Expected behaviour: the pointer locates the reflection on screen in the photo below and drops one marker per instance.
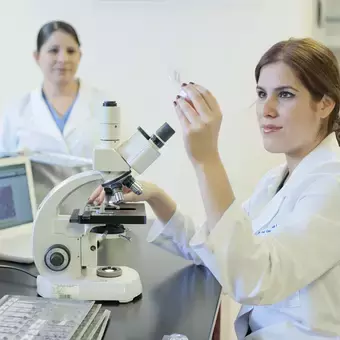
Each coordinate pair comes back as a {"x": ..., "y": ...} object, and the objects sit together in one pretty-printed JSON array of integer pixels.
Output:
[{"x": 15, "y": 204}]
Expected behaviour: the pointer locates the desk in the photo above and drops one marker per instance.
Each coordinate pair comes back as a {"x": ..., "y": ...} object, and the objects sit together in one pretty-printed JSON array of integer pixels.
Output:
[{"x": 178, "y": 297}]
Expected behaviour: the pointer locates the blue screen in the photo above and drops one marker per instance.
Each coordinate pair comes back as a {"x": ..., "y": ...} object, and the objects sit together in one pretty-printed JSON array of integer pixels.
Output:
[{"x": 15, "y": 203}]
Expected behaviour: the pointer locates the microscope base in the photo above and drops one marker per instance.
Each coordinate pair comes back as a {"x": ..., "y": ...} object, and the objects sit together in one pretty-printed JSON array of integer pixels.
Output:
[{"x": 123, "y": 288}]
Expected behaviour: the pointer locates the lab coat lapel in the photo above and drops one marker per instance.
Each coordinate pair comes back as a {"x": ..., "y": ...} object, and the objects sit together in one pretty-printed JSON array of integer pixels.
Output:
[
  {"x": 324, "y": 151},
  {"x": 275, "y": 180},
  {"x": 81, "y": 111},
  {"x": 42, "y": 118},
  {"x": 270, "y": 205}
]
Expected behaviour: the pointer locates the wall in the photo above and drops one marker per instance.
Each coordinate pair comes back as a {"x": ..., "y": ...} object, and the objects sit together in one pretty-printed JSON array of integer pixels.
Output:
[{"x": 130, "y": 49}]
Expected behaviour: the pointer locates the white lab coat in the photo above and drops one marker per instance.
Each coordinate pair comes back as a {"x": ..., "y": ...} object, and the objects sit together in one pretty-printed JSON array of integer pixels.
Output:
[
  {"x": 279, "y": 255},
  {"x": 27, "y": 124}
]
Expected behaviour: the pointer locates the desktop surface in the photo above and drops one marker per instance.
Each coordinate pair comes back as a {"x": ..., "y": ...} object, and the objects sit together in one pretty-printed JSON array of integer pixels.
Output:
[{"x": 178, "y": 297}]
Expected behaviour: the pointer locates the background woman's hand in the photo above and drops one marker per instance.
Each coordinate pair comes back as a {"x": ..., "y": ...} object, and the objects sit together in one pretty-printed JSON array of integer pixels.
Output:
[{"x": 201, "y": 121}]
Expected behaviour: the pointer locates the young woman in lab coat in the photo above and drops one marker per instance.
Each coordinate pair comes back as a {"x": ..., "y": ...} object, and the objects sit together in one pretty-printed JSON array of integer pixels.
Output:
[
  {"x": 60, "y": 116},
  {"x": 279, "y": 253}
]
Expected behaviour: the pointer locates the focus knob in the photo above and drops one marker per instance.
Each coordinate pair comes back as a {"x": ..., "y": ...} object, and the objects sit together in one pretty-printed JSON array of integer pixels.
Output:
[{"x": 57, "y": 257}]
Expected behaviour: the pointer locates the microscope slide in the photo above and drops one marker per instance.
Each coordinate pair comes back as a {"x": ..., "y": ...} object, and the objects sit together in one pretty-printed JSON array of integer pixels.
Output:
[
  {"x": 78, "y": 335},
  {"x": 101, "y": 330},
  {"x": 95, "y": 324}
]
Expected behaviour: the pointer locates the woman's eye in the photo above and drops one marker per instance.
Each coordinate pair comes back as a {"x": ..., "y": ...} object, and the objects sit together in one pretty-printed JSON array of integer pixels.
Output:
[
  {"x": 286, "y": 94},
  {"x": 261, "y": 94},
  {"x": 53, "y": 50}
]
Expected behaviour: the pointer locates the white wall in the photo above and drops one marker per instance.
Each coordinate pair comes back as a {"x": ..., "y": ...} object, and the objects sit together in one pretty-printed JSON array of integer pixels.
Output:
[{"x": 130, "y": 50}]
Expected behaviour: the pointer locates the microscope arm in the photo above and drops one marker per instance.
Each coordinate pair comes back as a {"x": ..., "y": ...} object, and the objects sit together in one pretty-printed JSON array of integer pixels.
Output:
[{"x": 51, "y": 228}]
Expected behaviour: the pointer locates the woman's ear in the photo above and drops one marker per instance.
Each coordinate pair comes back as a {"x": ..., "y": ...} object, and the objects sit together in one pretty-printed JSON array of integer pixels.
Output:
[
  {"x": 327, "y": 105},
  {"x": 36, "y": 56}
]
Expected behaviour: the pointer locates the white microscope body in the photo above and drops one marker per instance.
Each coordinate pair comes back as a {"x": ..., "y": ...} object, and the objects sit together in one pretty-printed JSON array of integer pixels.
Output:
[{"x": 65, "y": 246}]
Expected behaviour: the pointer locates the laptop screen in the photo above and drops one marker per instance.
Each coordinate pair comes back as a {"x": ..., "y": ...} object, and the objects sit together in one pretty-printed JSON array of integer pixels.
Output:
[{"x": 15, "y": 203}]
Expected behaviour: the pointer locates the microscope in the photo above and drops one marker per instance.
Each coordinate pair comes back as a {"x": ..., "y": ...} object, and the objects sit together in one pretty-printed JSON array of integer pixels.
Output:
[{"x": 65, "y": 246}]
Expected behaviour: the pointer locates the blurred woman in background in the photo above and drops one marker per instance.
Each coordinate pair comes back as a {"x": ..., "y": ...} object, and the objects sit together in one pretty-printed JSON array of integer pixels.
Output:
[{"x": 58, "y": 117}]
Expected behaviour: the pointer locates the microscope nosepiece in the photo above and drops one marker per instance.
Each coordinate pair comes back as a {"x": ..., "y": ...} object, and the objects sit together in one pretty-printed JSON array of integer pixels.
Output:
[
  {"x": 117, "y": 196},
  {"x": 131, "y": 183},
  {"x": 136, "y": 188}
]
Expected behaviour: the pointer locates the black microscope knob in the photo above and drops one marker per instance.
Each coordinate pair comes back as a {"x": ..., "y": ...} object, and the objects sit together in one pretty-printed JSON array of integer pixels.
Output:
[{"x": 57, "y": 259}]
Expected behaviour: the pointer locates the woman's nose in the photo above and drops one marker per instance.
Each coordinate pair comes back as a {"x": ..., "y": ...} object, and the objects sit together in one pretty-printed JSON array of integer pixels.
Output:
[
  {"x": 63, "y": 56},
  {"x": 270, "y": 107}
]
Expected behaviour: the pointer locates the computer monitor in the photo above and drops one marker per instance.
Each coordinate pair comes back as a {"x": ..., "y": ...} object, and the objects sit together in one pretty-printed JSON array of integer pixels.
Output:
[{"x": 17, "y": 197}]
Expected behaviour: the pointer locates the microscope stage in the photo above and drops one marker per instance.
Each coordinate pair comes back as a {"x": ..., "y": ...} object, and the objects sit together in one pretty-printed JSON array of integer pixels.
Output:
[{"x": 127, "y": 213}]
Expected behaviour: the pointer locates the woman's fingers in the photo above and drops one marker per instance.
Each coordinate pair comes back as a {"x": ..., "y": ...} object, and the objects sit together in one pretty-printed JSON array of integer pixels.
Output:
[
  {"x": 95, "y": 194},
  {"x": 191, "y": 115},
  {"x": 208, "y": 97},
  {"x": 100, "y": 198},
  {"x": 131, "y": 197},
  {"x": 181, "y": 117},
  {"x": 203, "y": 102},
  {"x": 126, "y": 190},
  {"x": 199, "y": 103}
]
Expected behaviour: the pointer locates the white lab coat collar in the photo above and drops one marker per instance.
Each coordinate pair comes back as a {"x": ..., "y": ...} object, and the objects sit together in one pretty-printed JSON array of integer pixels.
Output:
[
  {"x": 264, "y": 211},
  {"x": 323, "y": 152},
  {"x": 42, "y": 117},
  {"x": 327, "y": 150},
  {"x": 80, "y": 112}
]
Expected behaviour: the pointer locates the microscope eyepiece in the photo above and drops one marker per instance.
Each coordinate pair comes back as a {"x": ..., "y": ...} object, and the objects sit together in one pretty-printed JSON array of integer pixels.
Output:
[
  {"x": 165, "y": 132},
  {"x": 162, "y": 135},
  {"x": 110, "y": 103}
]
